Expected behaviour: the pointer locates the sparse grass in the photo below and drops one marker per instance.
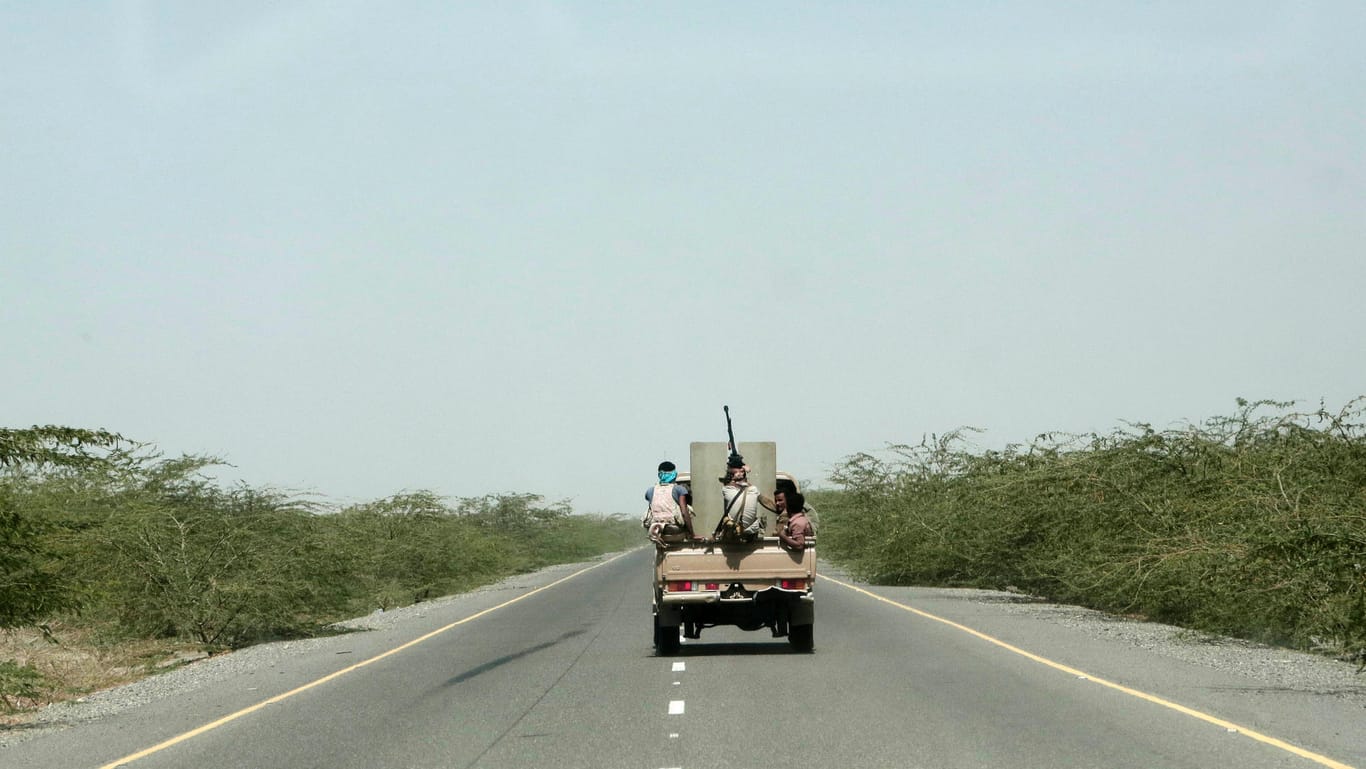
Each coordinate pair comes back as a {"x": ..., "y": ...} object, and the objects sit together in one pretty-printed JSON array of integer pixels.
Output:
[{"x": 76, "y": 661}]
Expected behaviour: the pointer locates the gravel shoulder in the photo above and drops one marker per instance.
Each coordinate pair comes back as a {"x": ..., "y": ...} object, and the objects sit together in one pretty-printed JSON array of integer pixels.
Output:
[{"x": 1272, "y": 668}]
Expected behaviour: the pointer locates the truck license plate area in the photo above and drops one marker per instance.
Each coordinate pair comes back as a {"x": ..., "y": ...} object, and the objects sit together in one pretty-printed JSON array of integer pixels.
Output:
[{"x": 735, "y": 591}]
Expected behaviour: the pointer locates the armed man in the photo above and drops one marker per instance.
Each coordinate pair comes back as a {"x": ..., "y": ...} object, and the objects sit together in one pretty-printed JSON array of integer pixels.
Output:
[{"x": 740, "y": 518}]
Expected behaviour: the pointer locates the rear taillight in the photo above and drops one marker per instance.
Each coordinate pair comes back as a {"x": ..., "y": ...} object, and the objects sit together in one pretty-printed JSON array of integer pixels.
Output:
[
  {"x": 794, "y": 584},
  {"x": 688, "y": 586}
]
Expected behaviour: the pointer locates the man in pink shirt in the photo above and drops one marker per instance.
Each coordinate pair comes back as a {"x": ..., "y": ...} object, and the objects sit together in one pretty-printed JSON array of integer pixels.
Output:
[{"x": 798, "y": 528}]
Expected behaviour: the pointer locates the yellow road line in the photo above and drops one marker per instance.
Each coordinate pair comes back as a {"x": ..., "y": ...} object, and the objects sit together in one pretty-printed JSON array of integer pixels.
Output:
[
  {"x": 1228, "y": 725},
  {"x": 176, "y": 740}
]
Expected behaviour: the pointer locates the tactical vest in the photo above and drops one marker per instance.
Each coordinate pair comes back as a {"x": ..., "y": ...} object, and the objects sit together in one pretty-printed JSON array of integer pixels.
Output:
[
  {"x": 663, "y": 507},
  {"x": 742, "y": 507}
]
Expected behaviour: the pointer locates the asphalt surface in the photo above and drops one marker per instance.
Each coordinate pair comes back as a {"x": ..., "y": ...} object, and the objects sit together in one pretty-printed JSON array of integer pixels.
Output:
[{"x": 565, "y": 676}]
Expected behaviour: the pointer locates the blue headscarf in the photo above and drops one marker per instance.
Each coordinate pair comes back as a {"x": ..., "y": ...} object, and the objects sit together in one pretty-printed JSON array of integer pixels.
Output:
[{"x": 668, "y": 476}]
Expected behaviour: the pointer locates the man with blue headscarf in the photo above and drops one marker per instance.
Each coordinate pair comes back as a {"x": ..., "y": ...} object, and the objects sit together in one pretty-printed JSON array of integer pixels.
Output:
[{"x": 668, "y": 512}]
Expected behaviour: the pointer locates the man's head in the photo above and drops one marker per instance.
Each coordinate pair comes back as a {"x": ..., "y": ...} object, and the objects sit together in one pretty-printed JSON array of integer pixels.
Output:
[
  {"x": 796, "y": 503},
  {"x": 668, "y": 473},
  {"x": 780, "y": 501},
  {"x": 735, "y": 475}
]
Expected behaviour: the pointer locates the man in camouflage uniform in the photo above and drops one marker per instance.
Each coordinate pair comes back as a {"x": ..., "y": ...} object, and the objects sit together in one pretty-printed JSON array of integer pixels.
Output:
[{"x": 668, "y": 512}]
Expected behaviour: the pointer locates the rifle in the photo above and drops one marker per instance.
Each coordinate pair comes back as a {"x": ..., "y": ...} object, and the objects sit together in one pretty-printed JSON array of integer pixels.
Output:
[{"x": 726, "y": 522}]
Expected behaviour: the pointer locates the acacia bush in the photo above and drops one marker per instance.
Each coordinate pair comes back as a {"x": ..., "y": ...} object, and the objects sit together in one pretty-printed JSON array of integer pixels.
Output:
[
  {"x": 1251, "y": 525},
  {"x": 140, "y": 546},
  {"x": 32, "y": 588}
]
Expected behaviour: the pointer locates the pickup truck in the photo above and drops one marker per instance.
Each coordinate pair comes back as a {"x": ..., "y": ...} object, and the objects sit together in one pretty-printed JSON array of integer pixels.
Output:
[{"x": 751, "y": 585}]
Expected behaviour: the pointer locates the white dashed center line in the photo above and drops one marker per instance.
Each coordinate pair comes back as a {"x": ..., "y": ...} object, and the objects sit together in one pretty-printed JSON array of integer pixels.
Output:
[{"x": 676, "y": 706}]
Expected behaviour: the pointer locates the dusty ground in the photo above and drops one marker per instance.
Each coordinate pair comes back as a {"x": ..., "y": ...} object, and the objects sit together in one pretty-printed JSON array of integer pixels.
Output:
[{"x": 75, "y": 661}]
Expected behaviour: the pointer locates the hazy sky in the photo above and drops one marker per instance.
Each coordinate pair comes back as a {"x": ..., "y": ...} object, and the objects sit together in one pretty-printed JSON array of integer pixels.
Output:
[{"x": 361, "y": 247}]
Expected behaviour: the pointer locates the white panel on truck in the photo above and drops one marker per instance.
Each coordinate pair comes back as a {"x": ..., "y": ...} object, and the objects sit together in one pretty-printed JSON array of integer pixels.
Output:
[{"x": 707, "y": 464}]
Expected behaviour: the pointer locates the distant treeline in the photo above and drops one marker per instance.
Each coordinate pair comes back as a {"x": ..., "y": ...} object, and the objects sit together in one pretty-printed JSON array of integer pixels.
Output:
[
  {"x": 97, "y": 531},
  {"x": 1252, "y": 525}
]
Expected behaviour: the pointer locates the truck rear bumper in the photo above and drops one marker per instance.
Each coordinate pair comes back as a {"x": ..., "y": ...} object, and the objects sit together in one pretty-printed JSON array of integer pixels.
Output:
[
  {"x": 769, "y": 594},
  {"x": 681, "y": 599},
  {"x": 770, "y": 609}
]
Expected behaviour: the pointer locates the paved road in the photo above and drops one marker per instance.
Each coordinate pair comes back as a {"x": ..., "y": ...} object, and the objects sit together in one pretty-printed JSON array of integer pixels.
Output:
[{"x": 564, "y": 677}]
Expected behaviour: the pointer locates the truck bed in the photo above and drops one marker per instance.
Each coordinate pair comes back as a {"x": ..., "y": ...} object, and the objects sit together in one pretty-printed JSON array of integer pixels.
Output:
[{"x": 756, "y": 566}]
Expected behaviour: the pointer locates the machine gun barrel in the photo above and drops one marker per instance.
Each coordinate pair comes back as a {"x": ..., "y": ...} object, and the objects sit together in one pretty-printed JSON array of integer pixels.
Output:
[{"x": 734, "y": 460}]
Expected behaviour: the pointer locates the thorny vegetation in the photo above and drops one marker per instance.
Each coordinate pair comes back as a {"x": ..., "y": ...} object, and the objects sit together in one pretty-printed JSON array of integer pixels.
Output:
[
  {"x": 109, "y": 541},
  {"x": 1251, "y": 525}
]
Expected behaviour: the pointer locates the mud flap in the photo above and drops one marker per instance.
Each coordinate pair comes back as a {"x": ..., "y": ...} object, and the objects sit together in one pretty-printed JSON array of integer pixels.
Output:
[{"x": 668, "y": 615}]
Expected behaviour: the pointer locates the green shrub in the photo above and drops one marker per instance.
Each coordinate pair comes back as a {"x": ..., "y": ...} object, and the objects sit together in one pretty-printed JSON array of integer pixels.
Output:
[
  {"x": 20, "y": 685},
  {"x": 1252, "y": 525},
  {"x": 147, "y": 547}
]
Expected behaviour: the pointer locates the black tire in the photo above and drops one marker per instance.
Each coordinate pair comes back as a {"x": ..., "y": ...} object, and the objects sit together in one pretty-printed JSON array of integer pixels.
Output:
[
  {"x": 666, "y": 640},
  {"x": 802, "y": 637}
]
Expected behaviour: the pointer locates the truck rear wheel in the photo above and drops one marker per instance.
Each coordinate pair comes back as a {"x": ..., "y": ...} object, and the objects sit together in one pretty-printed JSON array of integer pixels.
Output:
[
  {"x": 666, "y": 640},
  {"x": 802, "y": 637}
]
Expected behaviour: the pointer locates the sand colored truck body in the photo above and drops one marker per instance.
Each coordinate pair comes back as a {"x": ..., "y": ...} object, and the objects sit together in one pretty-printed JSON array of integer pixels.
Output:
[{"x": 750, "y": 585}]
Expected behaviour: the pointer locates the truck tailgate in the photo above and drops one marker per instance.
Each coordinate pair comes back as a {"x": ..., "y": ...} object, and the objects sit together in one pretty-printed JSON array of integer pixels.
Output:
[{"x": 767, "y": 563}]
